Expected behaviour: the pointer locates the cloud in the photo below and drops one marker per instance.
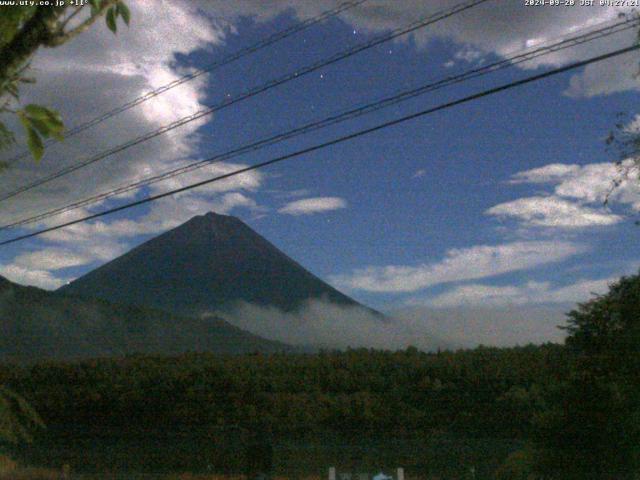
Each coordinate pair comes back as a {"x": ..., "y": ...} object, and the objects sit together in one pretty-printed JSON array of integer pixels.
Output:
[
  {"x": 468, "y": 54},
  {"x": 490, "y": 325},
  {"x": 553, "y": 172},
  {"x": 50, "y": 259},
  {"x": 93, "y": 74},
  {"x": 25, "y": 276},
  {"x": 459, "y": 264},
  {"x": 135, "y": 61},
  {"x": 527, "y": 294},
  {"x": 594, "y": 183},
  {"x": 83, "y": 78},
  {"x": 87, "y": 243},
  {"x": 605, "y": 78},
  {"x": 324, "y": 324},
  {"x": 577, "y": 196},
  {"x": 144, "y": 56},
  {"x": 591, "y": 183},
  {"x": 553, "y": 212},
  {"x": 103, "y": 240},
  {"x": 481, "y": 31},
  {"x": 502, "y": 315},
  {"x": 308, "y": 206}
]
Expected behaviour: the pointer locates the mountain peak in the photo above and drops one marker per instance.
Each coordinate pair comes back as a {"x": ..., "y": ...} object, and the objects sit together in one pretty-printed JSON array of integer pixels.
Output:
[
  {"x": 210, "y": 263},
  {"x": 211, "y": 218}
]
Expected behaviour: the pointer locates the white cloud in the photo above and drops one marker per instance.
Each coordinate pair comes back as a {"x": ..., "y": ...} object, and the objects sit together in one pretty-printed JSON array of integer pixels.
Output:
[
  {"x": 460, "y": 264},
  {"x": 50, "y": 259},
  {"x": 591, "y": 183},
  {"x": 99, "y": 241},
  {"x": 142, "y": 57},
  {"x": 528, "y": 294},
  {"x": 36, "y": 278},
  {"x": 91, "y": 75},
  {"x": 322, "y": 323},
  {"x": 605, "y": 78},
  {"x": 501, "y": 314},
  {"x": 589, "y": 186},
  {"x": 576, "y": 195},
  {"x": 594, "y": 183},
  {"x": 506, "y": 325},
  {"x": 164, "y": 215},
  {"x": 469, "y": 55},
  {"x": 95, "y": 73},
  {"x": 482, "y": 30},
  {"x": 549, "y": 173},
  {"x": 553, "y": 211},
  {"x": 308, "y": 206}
]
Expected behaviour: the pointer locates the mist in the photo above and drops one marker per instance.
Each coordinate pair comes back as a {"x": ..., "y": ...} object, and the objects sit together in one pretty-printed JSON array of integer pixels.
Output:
[
  {"x": 323, "y": 324},
  {"x": 496, "y": 326},
  {"x": 320, "y": 323}
]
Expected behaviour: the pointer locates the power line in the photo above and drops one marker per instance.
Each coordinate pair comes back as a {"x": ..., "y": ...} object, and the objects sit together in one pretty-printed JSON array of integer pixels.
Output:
[
  {"x": 514, "y": 59},
  {"x": 425, "y": 21},
  {"x": 335, "y": 141},
  {"x": 243, "y": 52}
]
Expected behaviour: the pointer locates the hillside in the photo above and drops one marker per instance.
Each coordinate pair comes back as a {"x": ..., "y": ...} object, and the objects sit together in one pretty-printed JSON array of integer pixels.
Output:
[{"x": 36, "y": 324}]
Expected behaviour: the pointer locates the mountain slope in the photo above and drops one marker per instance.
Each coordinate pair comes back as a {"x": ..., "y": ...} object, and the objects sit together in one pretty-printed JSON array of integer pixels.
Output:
[
  {"x": 206, "y": 264},
  {"x": 36, "y": 324}
]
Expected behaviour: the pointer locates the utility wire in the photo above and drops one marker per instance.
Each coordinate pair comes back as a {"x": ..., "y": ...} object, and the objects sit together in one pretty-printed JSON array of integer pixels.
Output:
[
  {"x": 425, "y": 21},
  {"x": 510, "y": 61},
  {"x": 335, "y": 141},
  {"x": 243, "y": 52}
]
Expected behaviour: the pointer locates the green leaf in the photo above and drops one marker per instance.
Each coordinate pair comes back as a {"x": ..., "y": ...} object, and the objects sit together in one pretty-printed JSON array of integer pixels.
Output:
[
  {"x": 34, "y": 142},
  {"x": 46, "y": 121},
  {"x": 111, "y": 19},
  {"x": 37, "y": 111},
  {"x": 124, "y": 12},
  {"x": 57, "y": 134},
  {"x": 95, "y": 6},
  {"x": 41, "y": 127},
  {"x": 54, "y": 122}
]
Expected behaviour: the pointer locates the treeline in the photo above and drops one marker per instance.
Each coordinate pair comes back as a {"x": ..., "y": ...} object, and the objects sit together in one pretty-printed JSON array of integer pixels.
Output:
[
  {"x": 551, "y": 411},
  {"x": 485, "y": 392}
]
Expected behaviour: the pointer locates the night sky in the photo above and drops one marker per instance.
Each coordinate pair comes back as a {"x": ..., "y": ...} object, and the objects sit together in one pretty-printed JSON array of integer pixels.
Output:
[{"x": 489, "y": 206}]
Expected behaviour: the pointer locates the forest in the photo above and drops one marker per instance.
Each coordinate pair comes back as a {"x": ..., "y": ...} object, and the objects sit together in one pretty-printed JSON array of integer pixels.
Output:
[
  {"x": 332, "y": 397},
  {"x": 556, "y": 411}
]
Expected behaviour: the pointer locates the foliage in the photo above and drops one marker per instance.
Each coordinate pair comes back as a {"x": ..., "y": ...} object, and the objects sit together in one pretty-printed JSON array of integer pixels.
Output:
[
  {"x": 592, "y": 427},
  {"x": 455, "y": 409},
  {"x": 467, "y": 391},
  {"x": 17, "y": 417},
  {"x": 24, "y": 29},
  {"x": 519, "y": 465},
  {"x": 40, "y": 122}
]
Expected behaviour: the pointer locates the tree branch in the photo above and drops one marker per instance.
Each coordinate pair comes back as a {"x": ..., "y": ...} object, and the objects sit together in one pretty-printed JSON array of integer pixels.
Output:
[
  {"x": 61, "y": 36},
  {"x": 35, "y": 32}
]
